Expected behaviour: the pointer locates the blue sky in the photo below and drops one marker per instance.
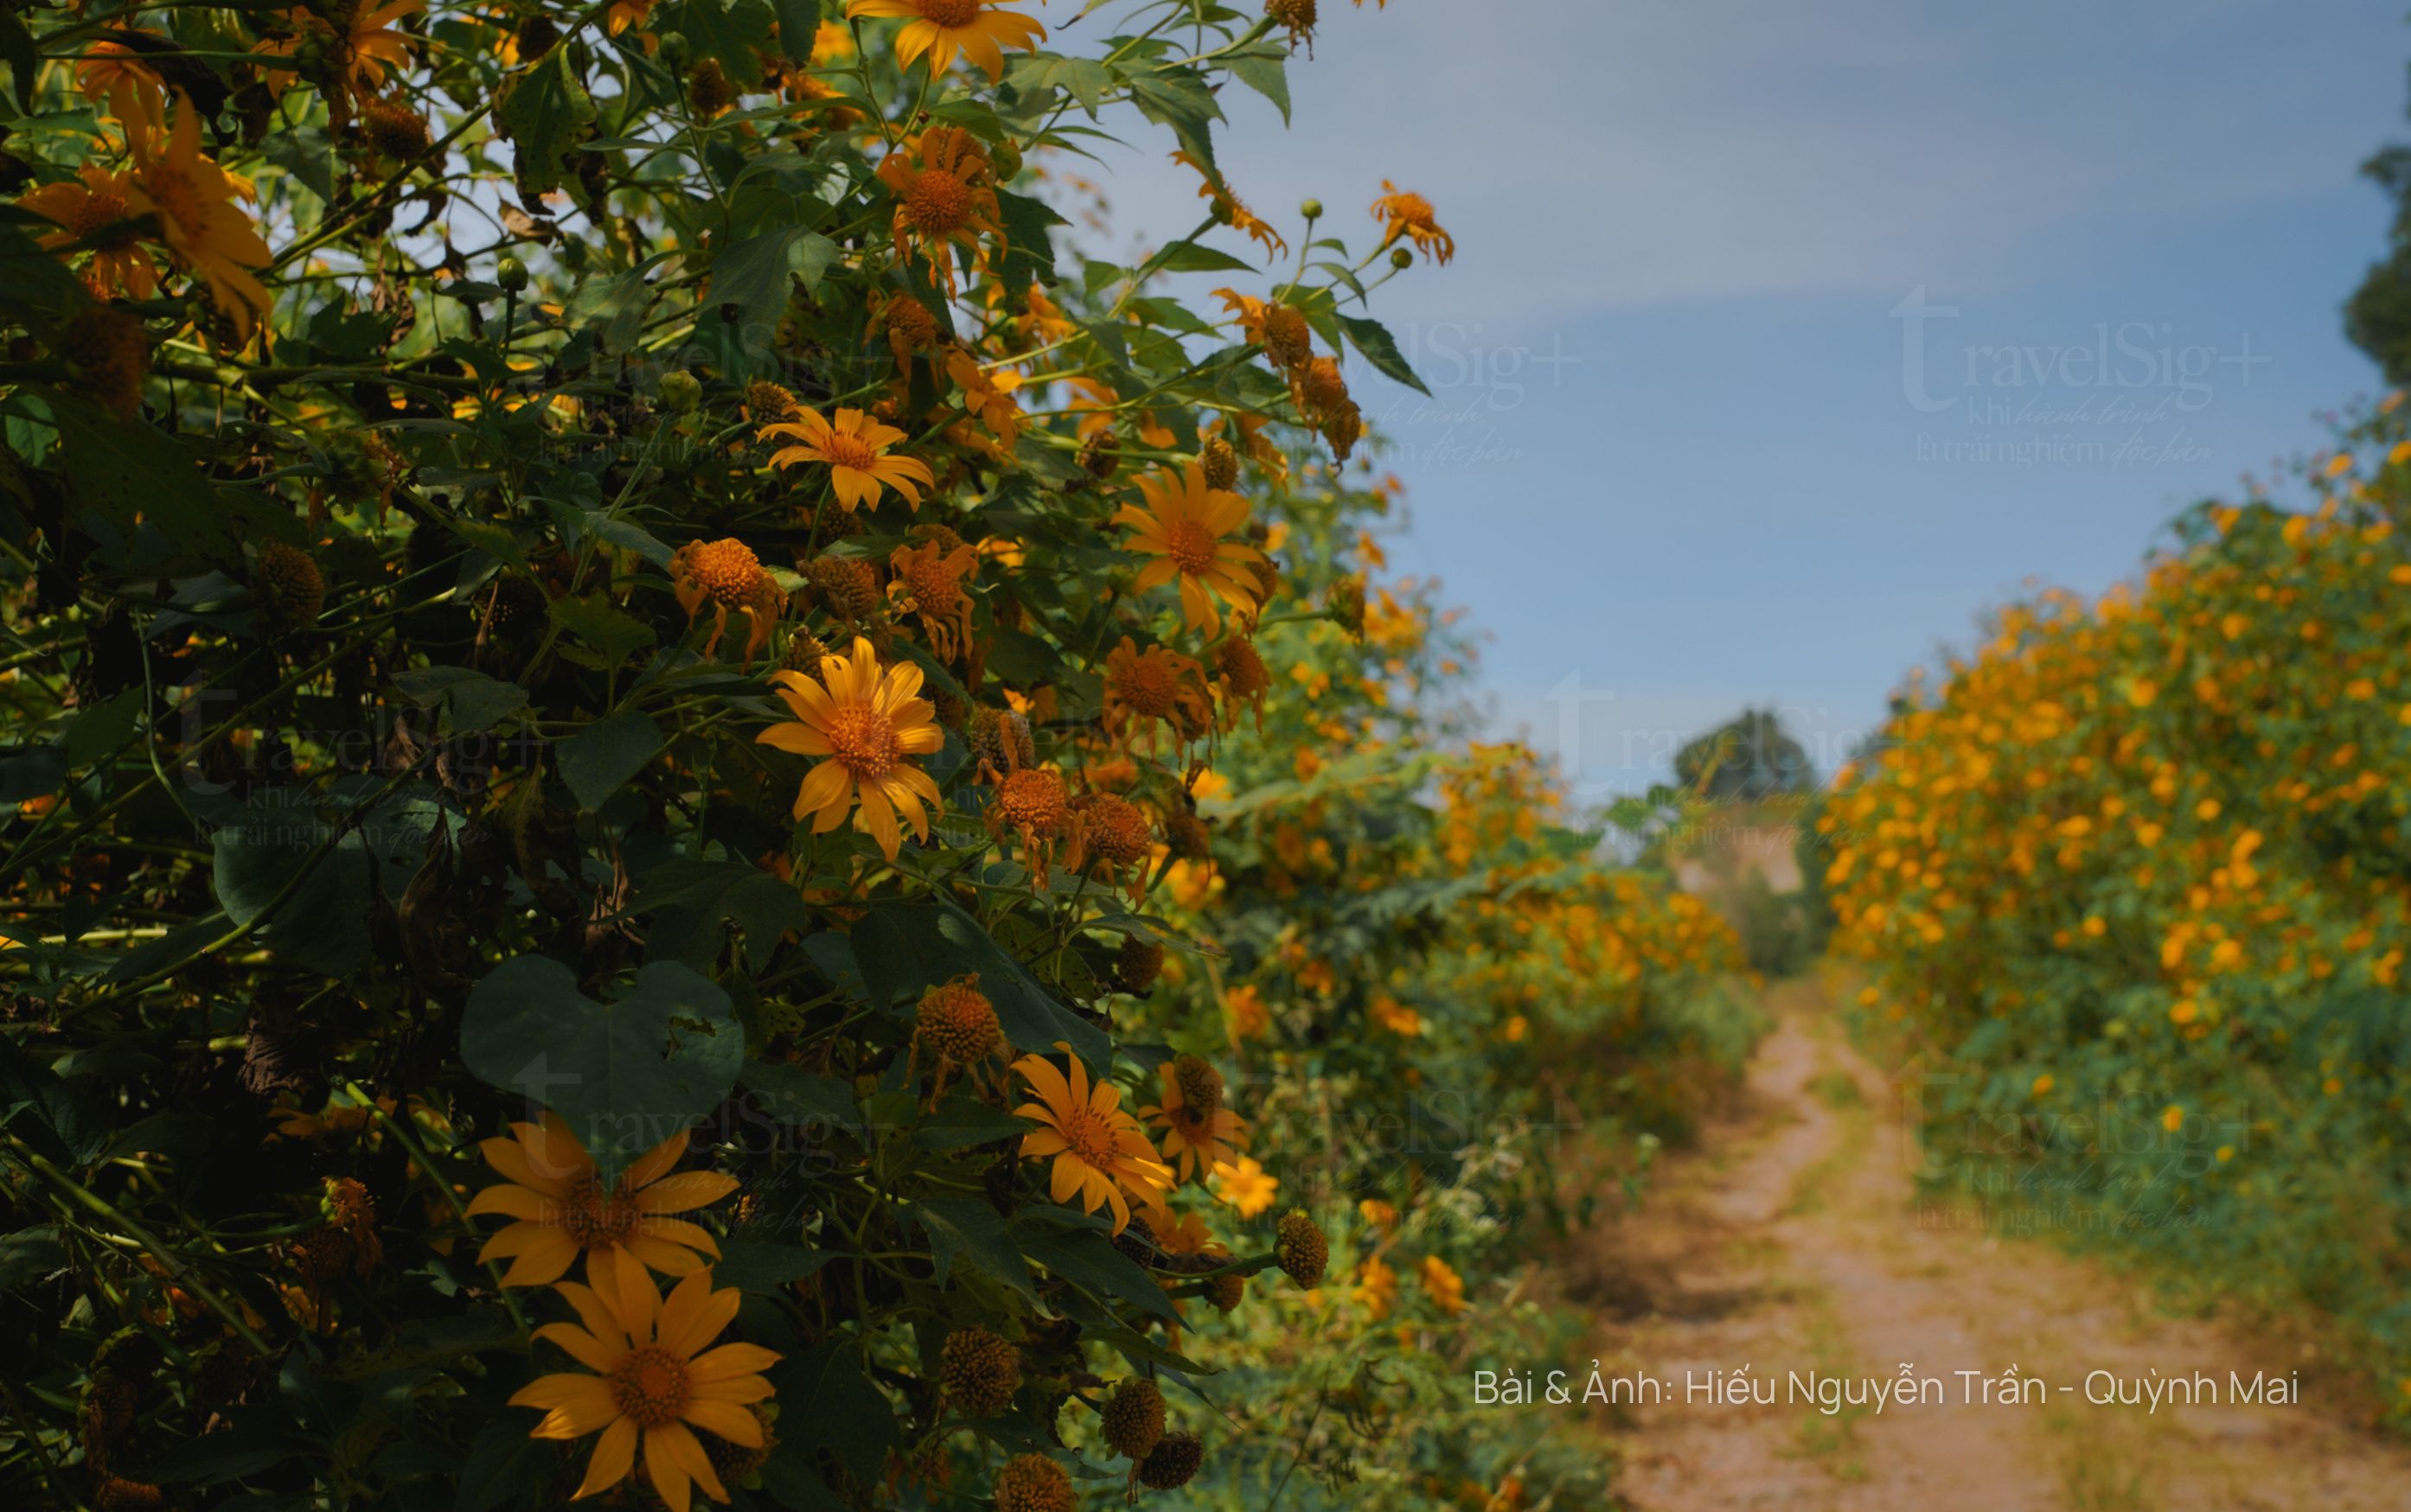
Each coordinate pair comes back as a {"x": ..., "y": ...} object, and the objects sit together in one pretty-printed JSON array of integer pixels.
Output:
[{"x": 1828, "y": 288}]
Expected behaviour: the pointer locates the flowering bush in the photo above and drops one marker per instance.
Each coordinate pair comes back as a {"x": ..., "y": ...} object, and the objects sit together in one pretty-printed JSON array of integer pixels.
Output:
[
  {"x": 2136, "y": 873},
  {"x": 637, "y": 839}
]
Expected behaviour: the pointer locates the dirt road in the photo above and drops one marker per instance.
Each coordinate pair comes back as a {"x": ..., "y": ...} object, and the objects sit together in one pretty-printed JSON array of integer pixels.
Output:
[{"x": 1791, "y": 1241}]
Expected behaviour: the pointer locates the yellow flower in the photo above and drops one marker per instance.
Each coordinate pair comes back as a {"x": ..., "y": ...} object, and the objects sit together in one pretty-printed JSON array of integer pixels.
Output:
[
  {"x": 99, "y": 203},
  {"x": 113, "y": 71},
  {"x": 987, "y": 395},
  {"x": 655, "y": 1382},
  {"x": 1101, "y": 1155},
  {"x": 1377, "y": 1287},
  {"x": 929, "y": 582},
  {"x": 864, "y": 725},
  {"x": 728, "y": 575},
  {"x": 362, "y": 47},
  {"x": 1244, "y": 1007},
  {"x": 945, "y": 195},
  {"x": 1446, "y": 1287},
  {"x": 2043, "y": 1085},
  {"x": 854, "y": 449},
  {"x": 552, "y": 1186},
  {"x": 1246, "y": 1185},
  {"x": 940, "y": 28},
  {"x": 1183, "y": 527},
  {"x": 1156, "y": 684},
  {"x": 1196, "y": 1138},
  {"x": 1411, "y": 215},
  {"x": 193, "y": 198},
  {"x": 2172, "y": 1118}
]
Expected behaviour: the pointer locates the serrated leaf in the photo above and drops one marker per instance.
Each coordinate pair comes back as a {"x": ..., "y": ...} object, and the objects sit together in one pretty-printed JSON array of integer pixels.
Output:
[
  {"x": 624, "y": 1074},
  {"x": 799, "y": 23},
  {"x": 1380, "y": 349},
  {"x": 609, "y": 632},
  {"x": 969, "y": 1229},
  {"x": 542, "y": 113},
  {"x": 598, "y": 760}
]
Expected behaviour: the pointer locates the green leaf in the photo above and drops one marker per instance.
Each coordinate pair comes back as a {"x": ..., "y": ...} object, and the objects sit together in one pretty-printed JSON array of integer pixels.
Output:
[
  {"x": 323, "y": 922},
  {"x": 24, "y": 59},
  {"x": 798, "y": 1097},
  {"x": 830, "y": 1405},
  {"x": 693, "y": 901},
  {"x": 1380, "y": 349},
  {"x": 28, "y": 1255},
  {"x": 766, "y": 1268},
  {"x": 1180, "y": 98},
  {"x": 1029, "y": 248},
  {"x": 129, "y": 472},
  {"x": 964, "y": 1121},
  {"x": 598, "y": 760},
  {"x": 606, "y": 634},
  {"x": 756, "y": 275},
  {"x": 626, "y": 1075},
  {"x": 1090, "y": 1261},
  {"x": 470, "y": 699},
  {"x": 971, "y": 1228},
  {"x": 800, "y": 21},
  {"x": 731, "y": 33},
  {"x": 1266, "y": 73},
  {"x": 905, "y": 949},
  {"x": 542, "y": 113}
]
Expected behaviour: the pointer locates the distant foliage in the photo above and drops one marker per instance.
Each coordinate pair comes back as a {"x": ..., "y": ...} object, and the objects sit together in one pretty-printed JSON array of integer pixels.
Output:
[{"x": 2138, "y": 873}]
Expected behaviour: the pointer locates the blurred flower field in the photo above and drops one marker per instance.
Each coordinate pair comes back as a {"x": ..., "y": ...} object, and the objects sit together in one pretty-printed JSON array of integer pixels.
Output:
[{"x": 2136, "y": 877}]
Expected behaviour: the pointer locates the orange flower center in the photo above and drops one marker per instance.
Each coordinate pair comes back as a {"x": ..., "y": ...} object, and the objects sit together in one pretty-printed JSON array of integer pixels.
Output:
[
  {"x": 863, "y": 741},
  {"x": 849, "y": 451},
  {"x": 1190, "y": 546},
  {"x": 1032, "y": 799},
  {"x": 727, "y": 571},
  {"x": 909, "y": 322},
  {"x": 651, "y": 1386},
  {"x": 100, "y": 210},
  {"x": 1412, "y": 211},
  {"x": 1147, "y": 685},
  {"x": 1090, "y": 1135},
  {"x": 595, "y": 1218},
  {"x": 950, "y": 13},
  {"x": 939, "y": 204}
]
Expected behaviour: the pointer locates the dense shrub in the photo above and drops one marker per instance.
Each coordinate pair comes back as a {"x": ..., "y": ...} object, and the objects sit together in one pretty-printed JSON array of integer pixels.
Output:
[
  {"x": 2138, "y": 874},
  {"x": 637, "y": 858}
]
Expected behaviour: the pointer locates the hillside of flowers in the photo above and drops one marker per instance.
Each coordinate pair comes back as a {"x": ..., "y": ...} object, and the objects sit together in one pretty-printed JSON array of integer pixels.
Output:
[
  {"x": 2136, "y": 876},
  {"x": 691, "y": 819}
]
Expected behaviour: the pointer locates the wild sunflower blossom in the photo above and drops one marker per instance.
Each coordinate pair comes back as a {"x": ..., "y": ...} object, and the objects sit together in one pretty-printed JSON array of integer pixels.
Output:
[
  {"x": 552, "y": 1186},
  {"x": 945, "y": 188},
  {"x": 656, "y": 1380},
  {"x": 97, "y": 203},
  {"x": 193, "y": 201},
  {"x": 1100, "y": 1157},
  {"x": 726, "y": 574},
  {"x": 1157, "y": 686},
  {"x": 1183, "y": 527},
  {"x": 363, "y": 41},
  {"x": 979, "y": 30},
  {"x": 853, "y": 447},
  {"x": 865, "y": 727},
  {"x": 1411, "y": 215},
  {"x": 1200, "y": 1134}
]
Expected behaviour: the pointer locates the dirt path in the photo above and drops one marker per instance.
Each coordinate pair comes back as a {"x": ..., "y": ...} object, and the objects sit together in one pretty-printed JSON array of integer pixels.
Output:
[{"x": 1791, "y": 1244}]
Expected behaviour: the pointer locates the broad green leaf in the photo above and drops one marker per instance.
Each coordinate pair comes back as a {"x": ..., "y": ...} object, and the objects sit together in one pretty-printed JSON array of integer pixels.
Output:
[
  {"x": 800, "y": 21},
  {"x": 1380, "y": 349},
  {"x": 598, "y": 760},
  {"x": 624, "y": 1074},
  {"x": 544, "y": 111},
  {"x": 604, "y": 635},
  {"x": 971, "y": 1228}
]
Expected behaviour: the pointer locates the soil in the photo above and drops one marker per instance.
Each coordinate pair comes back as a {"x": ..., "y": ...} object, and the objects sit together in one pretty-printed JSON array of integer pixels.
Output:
[{"x": 1793, "y": 1240}]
